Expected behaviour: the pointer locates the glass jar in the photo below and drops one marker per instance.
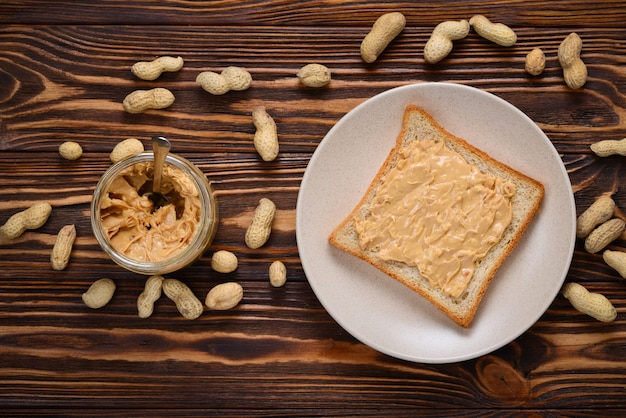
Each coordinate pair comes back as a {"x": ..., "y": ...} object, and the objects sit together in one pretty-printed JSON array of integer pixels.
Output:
[{"x": 122, "y": 241}]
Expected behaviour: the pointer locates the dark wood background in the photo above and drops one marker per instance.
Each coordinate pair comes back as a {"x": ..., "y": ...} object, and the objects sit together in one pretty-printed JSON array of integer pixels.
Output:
[{"x": 64, "y": 70}]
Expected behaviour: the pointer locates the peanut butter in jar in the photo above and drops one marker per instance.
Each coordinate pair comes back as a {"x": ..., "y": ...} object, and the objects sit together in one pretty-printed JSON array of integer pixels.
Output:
[{"x": 150, "y": 240}]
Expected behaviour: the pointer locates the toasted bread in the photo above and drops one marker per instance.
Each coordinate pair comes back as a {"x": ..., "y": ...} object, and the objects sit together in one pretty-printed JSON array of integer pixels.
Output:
[{"x": 417, "y": 125}]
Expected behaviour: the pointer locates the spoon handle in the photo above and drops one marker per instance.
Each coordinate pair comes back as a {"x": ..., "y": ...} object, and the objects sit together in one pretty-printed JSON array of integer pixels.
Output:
[{"x": 161, "y": 147}]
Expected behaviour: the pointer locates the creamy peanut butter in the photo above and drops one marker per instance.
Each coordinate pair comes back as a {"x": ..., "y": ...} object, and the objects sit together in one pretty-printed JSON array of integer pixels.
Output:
[
  {"x": 435, "y": 211},
  {"x": 130, "y": 223}
]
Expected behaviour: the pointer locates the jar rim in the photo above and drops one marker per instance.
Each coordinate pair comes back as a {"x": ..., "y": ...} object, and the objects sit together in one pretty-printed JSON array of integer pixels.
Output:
[{"x": 205, "y": 230}]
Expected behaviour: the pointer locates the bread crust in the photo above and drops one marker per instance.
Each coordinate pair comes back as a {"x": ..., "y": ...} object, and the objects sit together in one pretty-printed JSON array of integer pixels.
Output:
[{"x": 416, "y": 125}]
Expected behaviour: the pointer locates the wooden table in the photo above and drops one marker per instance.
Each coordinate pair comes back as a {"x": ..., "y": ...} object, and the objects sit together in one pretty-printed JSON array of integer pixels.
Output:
[{"x": 64, "y": 71}]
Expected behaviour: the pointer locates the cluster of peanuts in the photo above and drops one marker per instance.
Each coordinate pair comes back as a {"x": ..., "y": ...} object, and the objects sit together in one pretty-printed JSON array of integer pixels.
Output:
[
  {"x": 231, "y": 78},
  {"x": 223, "y": 296},
  {"x": 388, "y": 26},
  {"x": 35, "y": 217},
  {"x": 598, "y": 227}
]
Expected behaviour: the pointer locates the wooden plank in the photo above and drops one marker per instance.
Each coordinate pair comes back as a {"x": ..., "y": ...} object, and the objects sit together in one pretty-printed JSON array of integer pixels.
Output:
[
  {"x": 573, "y": 13},
  {"x": 64, "y": 85}
]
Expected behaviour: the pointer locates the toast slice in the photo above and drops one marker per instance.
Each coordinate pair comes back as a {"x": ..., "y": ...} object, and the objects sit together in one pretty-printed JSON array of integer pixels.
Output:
[{"x": 418, "y": 125}]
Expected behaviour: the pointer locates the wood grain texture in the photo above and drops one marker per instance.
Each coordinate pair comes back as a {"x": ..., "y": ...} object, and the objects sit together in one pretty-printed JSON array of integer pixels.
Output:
[
  {"x": 64, "y": 71},
  {"x": 317, "y": 13}
]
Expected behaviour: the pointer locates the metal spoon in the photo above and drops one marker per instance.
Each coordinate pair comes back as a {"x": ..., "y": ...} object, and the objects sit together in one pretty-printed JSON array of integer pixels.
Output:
[{"x": 160, "y": 147}]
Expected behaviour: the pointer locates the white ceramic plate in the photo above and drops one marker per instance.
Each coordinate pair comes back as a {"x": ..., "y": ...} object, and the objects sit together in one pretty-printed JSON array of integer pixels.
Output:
[{"x": 383, "y": 313}]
